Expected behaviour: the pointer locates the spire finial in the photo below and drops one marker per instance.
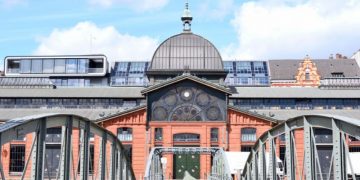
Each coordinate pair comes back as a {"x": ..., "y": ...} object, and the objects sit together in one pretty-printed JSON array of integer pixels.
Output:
[{"x": 187, "y": 18}]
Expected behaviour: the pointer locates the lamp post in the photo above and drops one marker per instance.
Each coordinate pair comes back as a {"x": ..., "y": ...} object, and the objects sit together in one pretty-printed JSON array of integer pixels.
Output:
[{"x": 163, "y": 161}]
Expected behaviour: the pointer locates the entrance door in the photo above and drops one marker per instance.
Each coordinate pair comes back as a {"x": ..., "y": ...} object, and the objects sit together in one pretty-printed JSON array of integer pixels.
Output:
[
  {"x": 52, "y": 160},
  {"x": 189, "y": 163}
]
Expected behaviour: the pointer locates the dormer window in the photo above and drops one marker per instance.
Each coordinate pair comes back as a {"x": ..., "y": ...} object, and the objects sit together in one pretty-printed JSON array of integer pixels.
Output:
[
  {"x": 337, "y": 74},
  {"x": 307, "y": 74}
]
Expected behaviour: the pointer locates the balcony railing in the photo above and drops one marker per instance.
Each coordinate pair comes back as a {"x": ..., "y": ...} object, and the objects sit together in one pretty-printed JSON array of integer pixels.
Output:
[
  {"x": 340, "y": 82},
  {"x": 125, "y": 137},
  {"x": 95, "y": 70},
  {"x": 13, "y": 71}
]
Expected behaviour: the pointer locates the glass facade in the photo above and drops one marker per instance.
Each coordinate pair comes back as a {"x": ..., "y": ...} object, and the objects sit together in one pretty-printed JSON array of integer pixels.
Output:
[
  {"x": 59, "y": 66},
  {"x": 69, "y": 103},
  {"x": 71, "y": 66},
  {"x": 56, "y": 65},
  {"x": 296, "y": 103},
  {"x": 86, "y": 82},
  {"x": 246, "y": 73},
  {"x": 129, "y": 74},
  {"x": 48, "y": 66},
  {"x": 25, "y": 66}
]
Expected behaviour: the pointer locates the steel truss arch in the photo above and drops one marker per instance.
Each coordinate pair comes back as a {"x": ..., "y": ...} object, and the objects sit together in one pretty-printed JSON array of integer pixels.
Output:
[
  {"x": 113, "y": 166},
  {"x": 261, "y": 167}
]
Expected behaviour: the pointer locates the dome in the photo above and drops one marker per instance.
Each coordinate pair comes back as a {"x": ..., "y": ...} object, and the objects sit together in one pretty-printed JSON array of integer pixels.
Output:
[{"x": 186, "y": 51}]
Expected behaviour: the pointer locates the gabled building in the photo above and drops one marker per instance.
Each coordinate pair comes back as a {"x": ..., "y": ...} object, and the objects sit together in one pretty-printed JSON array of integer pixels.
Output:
[
  {"x": 185, "y": 95},
  {"x": 311, "y": 73}
]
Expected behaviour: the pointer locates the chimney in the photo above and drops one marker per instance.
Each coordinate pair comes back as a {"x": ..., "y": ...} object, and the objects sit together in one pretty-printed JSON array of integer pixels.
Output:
[{"x": 338, "y": 56}]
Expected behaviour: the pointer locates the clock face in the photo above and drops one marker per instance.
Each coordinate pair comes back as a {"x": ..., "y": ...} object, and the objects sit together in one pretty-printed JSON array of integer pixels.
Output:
[
  {"x": 186, "y": 94},
  {"x": 188, "y": 102}
]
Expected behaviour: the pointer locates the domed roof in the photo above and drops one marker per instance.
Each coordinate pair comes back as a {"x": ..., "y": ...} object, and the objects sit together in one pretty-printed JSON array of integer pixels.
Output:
[{"x": 186, "y": 51}]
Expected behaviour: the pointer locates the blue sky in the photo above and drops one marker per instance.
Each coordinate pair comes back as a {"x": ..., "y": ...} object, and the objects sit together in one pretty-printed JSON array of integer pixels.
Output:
[{"x": 131, "y": 29}]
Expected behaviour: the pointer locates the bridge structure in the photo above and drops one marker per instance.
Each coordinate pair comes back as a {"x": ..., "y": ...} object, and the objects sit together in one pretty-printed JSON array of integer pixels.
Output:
[
  {"x": 74, "y": 162},
  {"x": 155, "y": 166},
  {"x": 309, "y": 154}
]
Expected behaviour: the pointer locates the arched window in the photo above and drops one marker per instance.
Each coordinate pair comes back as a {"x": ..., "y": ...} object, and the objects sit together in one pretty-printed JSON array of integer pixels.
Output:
[
  {"x": 307, "y": 74},
  {"x": 124, "y": 134},
  {"x": 248, "y": 134}
]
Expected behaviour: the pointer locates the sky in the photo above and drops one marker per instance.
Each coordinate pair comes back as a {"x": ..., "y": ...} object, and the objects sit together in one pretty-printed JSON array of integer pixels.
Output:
[{"x": 131, "y": 30}]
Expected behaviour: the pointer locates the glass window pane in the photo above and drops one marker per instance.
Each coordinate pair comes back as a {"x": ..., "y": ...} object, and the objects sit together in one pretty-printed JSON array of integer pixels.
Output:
[
  {"x": 158, "y": 134},
  {"x": 59, "y": 66},
  {"x": 214, "y": 134},
  {"x": 125, "y": 134},
  {"x": 71, "y": 66},
  {"x": 48, "y": 66},
  {"x": 248, "y": 134},
  {"x": 25, "y": 66},
  {"x": 36, "y": 66},
  {"x": 83, "y": 66}
]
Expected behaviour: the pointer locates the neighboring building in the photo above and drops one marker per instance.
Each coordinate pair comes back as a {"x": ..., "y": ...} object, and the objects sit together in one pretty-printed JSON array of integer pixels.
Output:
[
  {"x": 312, "y": 73},
  {"x": 185, "y": 96},
  {"x": 356, "y": 56},
  {"x": 247, "y": 73}
]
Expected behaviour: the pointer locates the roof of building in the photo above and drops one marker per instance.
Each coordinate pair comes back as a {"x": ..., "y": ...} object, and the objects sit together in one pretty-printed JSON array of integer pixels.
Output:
[
  {"x": 136, "y": 92},
  {"x": 288, "y": 69},
  {"x": 283, "y": 115},
  {"x": 94, "y": 92},
  {"x": 186, "y": 51},
  {"x": 14, "y": 82},
  {"x": 91, "y": 114},
  {"x": 253, "y": 113},
  {"x": 121, "y": 113},
  {"x": 292, "y": 92},
  {"x": 184, "y": 77}
]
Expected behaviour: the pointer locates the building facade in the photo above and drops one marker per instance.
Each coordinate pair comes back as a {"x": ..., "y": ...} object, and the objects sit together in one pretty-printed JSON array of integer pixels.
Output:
[{"x": 186, "y": 95}]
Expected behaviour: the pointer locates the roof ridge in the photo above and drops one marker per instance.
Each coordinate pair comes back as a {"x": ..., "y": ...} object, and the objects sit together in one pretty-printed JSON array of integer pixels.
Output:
[{"x": 182, "y": 77}]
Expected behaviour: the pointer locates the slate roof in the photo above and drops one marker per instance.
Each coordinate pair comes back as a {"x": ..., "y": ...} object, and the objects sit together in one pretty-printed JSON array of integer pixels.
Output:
[
  {"x": 252, "y": 113},
  {"x": 121, "y": 113},
  {"x": 15, "y": 82},
  {"x": 292, "y": 92},
  {"x": 91, "y": 114},
  {"x": 287, "y": 69}
]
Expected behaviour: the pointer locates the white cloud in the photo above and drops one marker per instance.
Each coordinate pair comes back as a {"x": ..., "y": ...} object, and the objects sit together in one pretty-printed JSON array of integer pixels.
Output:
[
  {"x": 138, "y": 5},
  {"x": 293, "y": 28},
  {"x": 87, "y": 38}
]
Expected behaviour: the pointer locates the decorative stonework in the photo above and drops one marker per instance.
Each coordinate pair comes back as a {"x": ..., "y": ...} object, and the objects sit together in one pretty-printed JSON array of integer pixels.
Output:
[{"x": 307, "y": 74}]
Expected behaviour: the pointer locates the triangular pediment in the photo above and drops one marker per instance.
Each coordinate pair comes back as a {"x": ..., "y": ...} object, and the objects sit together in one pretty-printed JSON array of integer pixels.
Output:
[{"x": 185, "y": 77}]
